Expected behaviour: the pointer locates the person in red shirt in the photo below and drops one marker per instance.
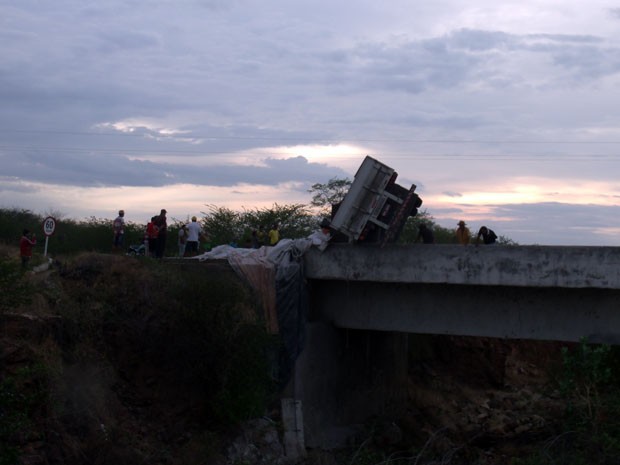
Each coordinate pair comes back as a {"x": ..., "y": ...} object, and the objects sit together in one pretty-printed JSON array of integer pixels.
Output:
[
  {"x": 26, "y": 243},
  {"x": 162, "y": 232},
  {"x": 152, "y": 231}
]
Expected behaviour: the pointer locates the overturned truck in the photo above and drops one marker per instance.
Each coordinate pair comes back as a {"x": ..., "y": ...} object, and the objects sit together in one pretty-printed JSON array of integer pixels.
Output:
[{"x": 375, "y": 208}]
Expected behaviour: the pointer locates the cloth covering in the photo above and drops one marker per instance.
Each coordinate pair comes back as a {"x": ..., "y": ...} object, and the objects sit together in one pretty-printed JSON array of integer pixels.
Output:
[{"x": 276, "y": 274}]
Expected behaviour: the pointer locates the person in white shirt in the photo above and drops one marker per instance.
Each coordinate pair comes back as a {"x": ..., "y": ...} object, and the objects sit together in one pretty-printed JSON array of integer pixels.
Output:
[
  {"x": 194, "y": 231},
  {"x": 321, "y": 237},
  {"x": 119, "y": 230}
]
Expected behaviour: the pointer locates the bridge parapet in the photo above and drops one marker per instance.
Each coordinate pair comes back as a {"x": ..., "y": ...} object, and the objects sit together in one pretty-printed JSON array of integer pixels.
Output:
[{"x": 495, "y": 265}]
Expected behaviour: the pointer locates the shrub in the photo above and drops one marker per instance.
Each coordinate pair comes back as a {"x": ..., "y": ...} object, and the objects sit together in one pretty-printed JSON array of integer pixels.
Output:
[
  {"x": 21, "y": 395},
  {"x": 14, "y": 289}
]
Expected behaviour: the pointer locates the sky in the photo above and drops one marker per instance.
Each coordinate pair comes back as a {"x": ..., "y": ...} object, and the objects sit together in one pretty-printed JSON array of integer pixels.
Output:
[{"x": 503, "y": 114}]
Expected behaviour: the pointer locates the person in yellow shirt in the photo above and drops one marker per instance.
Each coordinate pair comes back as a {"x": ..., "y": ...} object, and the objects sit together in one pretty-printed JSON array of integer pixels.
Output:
[
  {"x": 462, "y": 233},
  {"x": 274, "y": 234}
]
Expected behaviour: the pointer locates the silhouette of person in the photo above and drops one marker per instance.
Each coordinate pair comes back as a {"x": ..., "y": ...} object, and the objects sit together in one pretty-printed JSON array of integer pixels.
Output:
[
  {"x": 426, "y": 234},
  {"x": 488, "y": 236},
  {"x": 26, "y": 243},
  {"x": 118, "y": 227},
  {"x": 182, "y": 241},
  {"x": 463, "y": 235},
  {"x": 274, "y": 234},
  {"x": 194, "y": 231},
  {"x": 162, "y": 226}
]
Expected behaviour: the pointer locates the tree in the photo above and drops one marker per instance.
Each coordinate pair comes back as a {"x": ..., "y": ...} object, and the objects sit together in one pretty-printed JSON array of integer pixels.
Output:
[
  {"x": 295, "y": 220},
  {"x": 222, "y": 225},
  {"x": 225, "y": 226},
  {"x": 325, "y": 195}
]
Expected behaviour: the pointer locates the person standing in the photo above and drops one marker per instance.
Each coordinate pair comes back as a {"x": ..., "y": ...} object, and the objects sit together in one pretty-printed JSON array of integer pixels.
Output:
[
  {"x": 426, "y": 234},
  {"x": 274, "y": 234},
  {"x": 26, "y": 243},
  {"x": 182, "y": 240},
  {"x": 255, "y": 243},
  {"x": 488, "y": 236},
  {"x": 321, "y": 238},
  {"x": 151, "y": 233},
  {"x": 194, "y": 231},
  {"x": 162, "y": 233},
  {"x": 260, "y": 235},
  {"x": 118, "y": 228},
  {"x": 463, "y": 235}
]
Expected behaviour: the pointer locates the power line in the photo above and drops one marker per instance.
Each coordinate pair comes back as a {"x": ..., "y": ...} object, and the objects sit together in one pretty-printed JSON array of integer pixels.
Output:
[
  {"x": 594, "y": 157},
  {"x": 142, "y": 134}
]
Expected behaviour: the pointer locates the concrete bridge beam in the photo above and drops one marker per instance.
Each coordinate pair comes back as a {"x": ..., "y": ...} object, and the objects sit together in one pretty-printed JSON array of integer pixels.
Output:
[{"x": 533, "y": 292}]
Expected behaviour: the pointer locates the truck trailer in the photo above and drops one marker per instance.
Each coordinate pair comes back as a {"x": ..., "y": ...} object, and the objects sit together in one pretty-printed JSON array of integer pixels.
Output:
[{"x": 375, "y": 208}]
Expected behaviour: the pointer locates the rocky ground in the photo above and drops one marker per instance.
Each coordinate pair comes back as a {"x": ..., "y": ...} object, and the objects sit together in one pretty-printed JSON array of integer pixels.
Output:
[{"x": 471, "y": 401}]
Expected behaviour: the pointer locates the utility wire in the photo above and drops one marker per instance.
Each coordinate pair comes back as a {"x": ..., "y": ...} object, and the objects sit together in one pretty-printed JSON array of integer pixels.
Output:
[
  {"x": 182, "y": 135},
  {"x": 391, "y": 154}
]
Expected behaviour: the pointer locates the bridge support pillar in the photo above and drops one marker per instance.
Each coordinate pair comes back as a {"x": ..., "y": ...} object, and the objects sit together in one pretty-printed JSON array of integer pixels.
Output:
[{"x": 345, "y": 376}]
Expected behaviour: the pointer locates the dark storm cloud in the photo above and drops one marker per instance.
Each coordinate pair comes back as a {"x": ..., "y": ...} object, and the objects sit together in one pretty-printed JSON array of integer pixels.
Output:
[{"x": 113, "y": 170}]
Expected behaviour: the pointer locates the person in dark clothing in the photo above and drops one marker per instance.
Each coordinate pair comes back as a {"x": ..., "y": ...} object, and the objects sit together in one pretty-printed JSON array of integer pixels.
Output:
[
  {"x": 26, "y": 243},
  {"x": 488, "y": 236},
  {"x": 255, "y": 242},
  {"x": 162, "y": 227},
  {"x": 426, "y": 234}
]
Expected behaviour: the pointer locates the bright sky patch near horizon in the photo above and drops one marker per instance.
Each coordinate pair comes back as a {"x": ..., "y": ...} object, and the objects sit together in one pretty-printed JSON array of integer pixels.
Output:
[{"x": 503, "y": 115}]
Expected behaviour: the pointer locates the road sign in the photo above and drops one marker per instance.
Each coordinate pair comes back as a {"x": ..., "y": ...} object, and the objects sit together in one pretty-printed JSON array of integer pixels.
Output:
[{"x": 49, "y": 225}]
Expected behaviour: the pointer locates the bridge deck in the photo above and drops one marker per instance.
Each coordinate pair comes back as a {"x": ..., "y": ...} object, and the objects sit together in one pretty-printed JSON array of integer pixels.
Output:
[{"x": 533, "y": 292}]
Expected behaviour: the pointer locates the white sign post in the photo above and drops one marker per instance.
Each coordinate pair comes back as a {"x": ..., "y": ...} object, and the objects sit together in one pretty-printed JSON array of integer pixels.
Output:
[{"x": 49, "y": 226}]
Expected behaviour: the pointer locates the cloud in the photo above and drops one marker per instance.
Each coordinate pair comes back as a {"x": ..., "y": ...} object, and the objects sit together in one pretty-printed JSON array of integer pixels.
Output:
[
  {"x": 462, "y": 98},
  {"x": 559, "y": 223},
  {"x": 544, "y": 223},
  {"x": 614, "y": 12},
  {"x": 99, "y": 169}
]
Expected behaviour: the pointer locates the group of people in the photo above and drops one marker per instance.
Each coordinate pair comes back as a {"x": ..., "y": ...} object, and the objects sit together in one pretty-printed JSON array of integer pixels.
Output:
[
  {"x": 156, "y": 234},
  {"x": 260, "y": 238},
  {"x": 190, "y": 235},
  {"x": 462, "y": 233}
]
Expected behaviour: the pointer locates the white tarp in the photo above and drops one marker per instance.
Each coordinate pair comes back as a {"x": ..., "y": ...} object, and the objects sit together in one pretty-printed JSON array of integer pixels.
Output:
[{"x": 276, "y": 274}]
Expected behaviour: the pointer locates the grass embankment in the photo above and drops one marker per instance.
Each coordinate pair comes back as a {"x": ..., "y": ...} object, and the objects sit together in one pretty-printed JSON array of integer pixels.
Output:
[{"x": 111, "y": 359}]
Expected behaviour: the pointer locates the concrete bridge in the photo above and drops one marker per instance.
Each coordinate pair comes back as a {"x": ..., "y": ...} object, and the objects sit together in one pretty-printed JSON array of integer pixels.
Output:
[
  {"x": 518, "y": 292},
  {"x": 365, "y": 302}
]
